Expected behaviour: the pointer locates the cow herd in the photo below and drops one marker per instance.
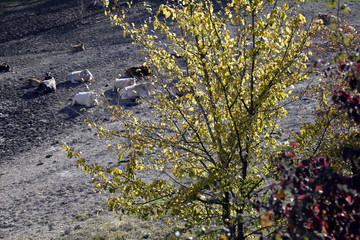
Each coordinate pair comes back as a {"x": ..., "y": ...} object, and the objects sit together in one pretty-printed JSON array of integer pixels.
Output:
[{"x": 131, "y": 86}]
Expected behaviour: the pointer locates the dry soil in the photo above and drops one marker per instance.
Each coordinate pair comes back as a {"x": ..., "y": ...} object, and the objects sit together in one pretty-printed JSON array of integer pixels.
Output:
[{"x": 42, "y": 190}]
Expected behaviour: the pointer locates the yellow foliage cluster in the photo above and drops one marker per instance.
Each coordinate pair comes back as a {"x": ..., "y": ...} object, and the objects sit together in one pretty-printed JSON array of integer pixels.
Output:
[{"x": 212, "y": 139}]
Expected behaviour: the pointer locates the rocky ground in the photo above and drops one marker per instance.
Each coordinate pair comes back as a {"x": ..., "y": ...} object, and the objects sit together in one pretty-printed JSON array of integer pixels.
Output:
[{"x": 41, "y": 190}]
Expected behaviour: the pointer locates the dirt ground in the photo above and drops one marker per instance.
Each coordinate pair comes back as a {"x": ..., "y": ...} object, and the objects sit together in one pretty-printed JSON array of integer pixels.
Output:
[{"x": 41, "y": 190}]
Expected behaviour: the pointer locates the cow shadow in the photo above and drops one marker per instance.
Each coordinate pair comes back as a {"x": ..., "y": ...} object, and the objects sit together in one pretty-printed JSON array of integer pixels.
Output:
[
  {"x": 32, "y": 94},
  {"x": 113, "y": 99},
  {"x": 73, "y": 112},
  {"x": 67, "y": 84},
  {"x": 75, "y": 52},
  {"x": 110, "y": 94},
  {"x": 126, "y": 103}
]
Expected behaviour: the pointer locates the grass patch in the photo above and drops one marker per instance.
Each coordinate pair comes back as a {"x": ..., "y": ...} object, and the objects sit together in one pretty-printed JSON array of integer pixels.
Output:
[
  {"x": 111, "y": 227},
  {"x": 107, "y": 226},
  {"x": 83, "y": 216}
]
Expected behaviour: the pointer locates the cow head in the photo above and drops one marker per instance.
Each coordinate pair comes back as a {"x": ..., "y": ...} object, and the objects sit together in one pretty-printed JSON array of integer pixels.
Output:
[
  {"x": 86, "y": 75},
  {"x": 93, "y": 96}
]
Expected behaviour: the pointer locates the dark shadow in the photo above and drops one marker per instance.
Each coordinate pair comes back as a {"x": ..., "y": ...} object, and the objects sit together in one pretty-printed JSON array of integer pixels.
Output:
[
  {"x": 74, "y": 52},
  {"x": 110, "y": 94},
  {"x": 73, "y": 111},
  {"x": 26, "y": 87},
  {"x": 31, "y": 95},
  {"x": 128, "y": 103},
  {"x": 68, "y": 84},
  {"x": 113, "y": 99}
]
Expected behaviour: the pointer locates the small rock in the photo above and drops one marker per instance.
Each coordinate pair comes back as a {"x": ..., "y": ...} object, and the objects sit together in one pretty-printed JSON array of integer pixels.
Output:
[
  {"x": 146, "y": 236},
  {"x": 44, "y": 121},
  {"x": 67, "y": 232},
  {"x": 77, "y": 227},
  {"x": 51, "y": 226}
]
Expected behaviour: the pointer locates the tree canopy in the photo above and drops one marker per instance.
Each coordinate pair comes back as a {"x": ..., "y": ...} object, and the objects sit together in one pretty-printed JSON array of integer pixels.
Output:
[{"x": 221, "y": 76}]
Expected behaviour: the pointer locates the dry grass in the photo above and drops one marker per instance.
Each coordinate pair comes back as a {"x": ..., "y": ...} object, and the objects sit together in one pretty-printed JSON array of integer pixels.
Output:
[{"x": 115, "y": 228}]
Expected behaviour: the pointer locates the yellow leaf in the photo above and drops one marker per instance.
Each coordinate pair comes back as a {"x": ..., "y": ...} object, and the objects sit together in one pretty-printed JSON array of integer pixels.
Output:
[
  {"x": 301, "y": 18},
  {"x": 285, "y": 6},
  {"x": 166, "y": 13},
  {"x": 65, "y": 147}
]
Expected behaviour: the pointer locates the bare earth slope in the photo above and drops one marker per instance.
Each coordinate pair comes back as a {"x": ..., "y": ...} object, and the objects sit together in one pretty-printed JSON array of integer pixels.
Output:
[{"x": 41, "y": 190}]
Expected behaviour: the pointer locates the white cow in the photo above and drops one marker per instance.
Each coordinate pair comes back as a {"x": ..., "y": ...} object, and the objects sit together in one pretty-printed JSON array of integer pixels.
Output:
[
  {"x": 47, "y": 86},
  {"x": 88, "y": 99},
  {"x": 141, "y": 90},
  {"x": 79, "y": 76},
  {"x": 121, "y": 83}
]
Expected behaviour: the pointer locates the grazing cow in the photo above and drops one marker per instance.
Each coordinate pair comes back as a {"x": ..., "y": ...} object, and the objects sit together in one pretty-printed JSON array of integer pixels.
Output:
[
  {"x": 121, "y": 83},
  {"x": 5, "y": 67},
  {"x": 33, "y": 81},
  {"x": 139, "y": 70},
  {"x": 47, "y": 86},
  {"x": 78, "y": 47},
  {"x": 79, "y": 76},
  {"x": 140, "y": 90},
  {"x": 88, "y": 99}
]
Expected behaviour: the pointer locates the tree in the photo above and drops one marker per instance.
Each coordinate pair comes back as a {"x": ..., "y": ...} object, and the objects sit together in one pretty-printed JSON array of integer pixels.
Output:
[
  {"x": 319, "y": 200},
  {"x": 221, "y": 78},
  {"x": 331, "y": 131},
  {"x": 324, "y": 204}
]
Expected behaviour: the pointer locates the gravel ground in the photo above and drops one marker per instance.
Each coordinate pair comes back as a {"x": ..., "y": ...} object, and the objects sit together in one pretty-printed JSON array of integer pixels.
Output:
[{"x": 41, "y": 190}]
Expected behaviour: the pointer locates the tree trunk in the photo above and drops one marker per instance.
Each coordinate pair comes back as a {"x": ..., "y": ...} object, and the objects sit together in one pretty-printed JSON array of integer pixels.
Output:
[{"x": 236, "y": 229}]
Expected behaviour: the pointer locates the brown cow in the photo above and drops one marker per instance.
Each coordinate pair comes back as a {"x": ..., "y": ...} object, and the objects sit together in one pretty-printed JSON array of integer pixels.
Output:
[
  {"x": 33, "y": 81},
  {"x": 139, "y": 70},
  {"x": 78, "y": 47}
]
